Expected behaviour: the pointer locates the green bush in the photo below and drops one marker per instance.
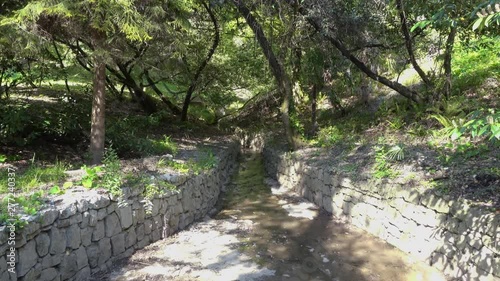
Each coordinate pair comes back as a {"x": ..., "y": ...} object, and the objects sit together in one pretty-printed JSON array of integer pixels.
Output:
[
  {"x": 22, "y": 123},
  {"x": 112, "y": 177},
  {"x": 127, "y": 136},
  {"x": 475, "y": 61},
  {"x": 329, "y": 136},
  {"x": 479, "y": 123}
]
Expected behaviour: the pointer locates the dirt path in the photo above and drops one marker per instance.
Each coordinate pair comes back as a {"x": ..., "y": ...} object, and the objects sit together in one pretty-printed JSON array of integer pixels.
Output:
[{"x": 264, "y": 234}]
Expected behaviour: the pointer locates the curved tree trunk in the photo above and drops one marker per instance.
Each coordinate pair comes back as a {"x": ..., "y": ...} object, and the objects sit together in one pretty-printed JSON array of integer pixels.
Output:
[
  {"x": 146, "y": 102},
  {"x": 173, "y": 108},
  {"x": 409, "y": 45},
  {"x": 282, "y": 79},
  {"x": 401, "y": 89},
  {"x": 202, "y": 66}
]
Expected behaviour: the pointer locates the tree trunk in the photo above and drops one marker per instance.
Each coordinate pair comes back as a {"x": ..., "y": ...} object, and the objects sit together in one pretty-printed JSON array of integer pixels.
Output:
[
  {"x": 97, "y": 126},
  {"x": 175, "y": 110},
  {"x": 194, "y": 83},
  {"x": 97, "y": 130},
  {"x": 146, "y": 102},
  {"x": 314, "y": 97},
  {"x": 409, "y": 45},
  {"x": 279, "y": 74},
  {"x": 447, "y": 61}
]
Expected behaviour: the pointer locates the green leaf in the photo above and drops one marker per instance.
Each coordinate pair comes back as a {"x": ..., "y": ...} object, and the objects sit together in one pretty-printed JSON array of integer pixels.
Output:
[
  {"x": 3, "y": 158},
  {"x": 87, "y": 183},
  {"x": 55, "y": 190},
  {"x": 482, "y": 131},
  {"x": 68, "y": 184},
  {"x": 478, "y": 24},
  {"x": 420, "y": 24},
  {"x": 495, "y": 131},
  {"x": 488, "y": 20}
]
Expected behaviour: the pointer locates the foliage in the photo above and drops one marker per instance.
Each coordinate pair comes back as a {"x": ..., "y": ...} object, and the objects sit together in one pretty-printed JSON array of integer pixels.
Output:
[
  {"x": 112, "y": 177},
  {"x": 126, "y": 135},
  {"x": 56, "y": 190},
  {"x": 27, "y": 204},
  {"x": 329, "y": 136},
  {"x": 479, "y": 123},
  {"x": 382, "y": 168},
  {"x": 22, "y": 123},
  {"x": 487, "y": 13},
  {"x": 473, "y": 63},
  {"x": 91, "y": 176},
  {"x": 205, "y": 160},
  {"x": 108, "y": 176},
  {"x": 396, "y": 152},
  {"x": 165, "y": 145},
  {"x": 297, "y": 124}
]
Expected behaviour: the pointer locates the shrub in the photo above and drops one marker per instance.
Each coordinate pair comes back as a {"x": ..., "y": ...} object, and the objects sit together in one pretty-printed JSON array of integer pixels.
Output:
[{"x": 329, "y": 136}]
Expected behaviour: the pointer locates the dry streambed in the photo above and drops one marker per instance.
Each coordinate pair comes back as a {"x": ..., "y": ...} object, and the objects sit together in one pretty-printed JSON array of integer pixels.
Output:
[{"x": 265, "y": 233}]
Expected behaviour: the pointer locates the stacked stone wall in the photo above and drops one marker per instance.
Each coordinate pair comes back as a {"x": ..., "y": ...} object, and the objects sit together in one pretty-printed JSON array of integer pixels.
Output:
[
  {"x": 460, "y": 239},
  {"x": 88, "y": 231}
]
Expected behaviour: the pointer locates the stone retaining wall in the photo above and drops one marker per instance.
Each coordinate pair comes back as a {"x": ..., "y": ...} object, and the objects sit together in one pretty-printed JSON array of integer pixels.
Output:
[
  {"x": 88, "y": 231},
  {"x": 459, "y": 239}
]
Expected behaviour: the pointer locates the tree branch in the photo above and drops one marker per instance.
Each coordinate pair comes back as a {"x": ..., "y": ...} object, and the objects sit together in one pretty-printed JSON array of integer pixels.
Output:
[{"x": 409, "y": 44}]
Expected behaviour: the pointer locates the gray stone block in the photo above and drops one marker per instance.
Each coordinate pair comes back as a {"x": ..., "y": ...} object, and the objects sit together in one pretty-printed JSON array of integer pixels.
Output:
[
  {"x": 92, "y": 217},
  {"x": 68, "y": 211},
  {"x": 148, "y": 226},
  {"x": 105, "y": 250},
  {"x": 101, "y": 214},
  {"x": 125, "y": 215},
  {"x": 111, "y": 208},
  {"x": 99, "y": 202},
  {"x": 58, "y": 241},
  {"x": 51, "y": 261},
  {"x": 130, "y": 238},
  {"x": 81, "y": 258},
  {"x": 118, "y": 244},
  {"x": 48, "y": 274},
  {"x": 99, "y": 231},
  {"x": 112, "y": 225},
  {"x": 42, "y": 244},
  {"x": 73, "y": 237},
  {"x": 33, "y": 274},
  {"x": 139, "y": 215},
  {"x": 68, "y": 266},
  {"x": 3, "y": 264},
  {"x": 86, "y": 235},
  {"x": 140, "y": 232},
  {"x": 93, "y": 255},
  {"x": 82, "y": 205},
  {"x": 82, "y": 275}
]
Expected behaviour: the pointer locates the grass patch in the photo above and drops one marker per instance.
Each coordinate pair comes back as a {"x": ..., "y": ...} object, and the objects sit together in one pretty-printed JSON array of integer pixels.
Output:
[
  {"x": 205, "y": 161},
  {"x": 475, "y": 61},
  {"x": 35, "y": 176},
  {"x": 382, "y": 168}
]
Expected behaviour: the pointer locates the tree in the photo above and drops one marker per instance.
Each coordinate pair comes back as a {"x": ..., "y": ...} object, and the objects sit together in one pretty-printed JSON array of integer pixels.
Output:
[
  {"x": 102, "y": 20},
  {"x": 279, "y": 73},
  {"x": 203, "y": 64}
]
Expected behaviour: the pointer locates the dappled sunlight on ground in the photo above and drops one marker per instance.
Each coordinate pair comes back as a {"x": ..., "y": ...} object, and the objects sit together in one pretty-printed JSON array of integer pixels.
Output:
[{"x": 266, "y": 233}]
